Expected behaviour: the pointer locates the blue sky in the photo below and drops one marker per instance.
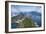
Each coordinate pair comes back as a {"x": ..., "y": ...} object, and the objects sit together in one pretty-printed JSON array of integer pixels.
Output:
[{"x": 24, "y": 8}]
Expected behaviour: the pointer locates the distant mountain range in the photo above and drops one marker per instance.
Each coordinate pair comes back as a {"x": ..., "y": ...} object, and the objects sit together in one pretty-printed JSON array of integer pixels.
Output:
[
  {"x": 35, "y": 13},
  {"x": 31, "y": 12}
]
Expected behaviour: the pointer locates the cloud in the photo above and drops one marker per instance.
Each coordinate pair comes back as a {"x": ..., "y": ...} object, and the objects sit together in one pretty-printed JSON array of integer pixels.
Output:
[{"x": 22, "y": 8}]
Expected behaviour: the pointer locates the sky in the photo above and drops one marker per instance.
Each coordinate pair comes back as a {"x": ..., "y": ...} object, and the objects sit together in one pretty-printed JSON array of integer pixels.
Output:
[{"x": 24, "y": 8}]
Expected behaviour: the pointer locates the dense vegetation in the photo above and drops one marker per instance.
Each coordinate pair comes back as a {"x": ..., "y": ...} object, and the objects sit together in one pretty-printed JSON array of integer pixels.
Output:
[{"x": 28, "y": 22}]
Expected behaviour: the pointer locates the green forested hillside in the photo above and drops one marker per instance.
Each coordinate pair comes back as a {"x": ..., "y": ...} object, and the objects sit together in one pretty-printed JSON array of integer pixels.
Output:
[{"x": 28, "y": 22}]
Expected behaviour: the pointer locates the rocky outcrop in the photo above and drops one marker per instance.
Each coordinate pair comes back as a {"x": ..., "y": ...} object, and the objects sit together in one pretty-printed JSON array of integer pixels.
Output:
[{"x": 23, "y": 21}]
